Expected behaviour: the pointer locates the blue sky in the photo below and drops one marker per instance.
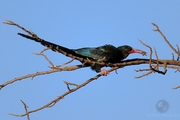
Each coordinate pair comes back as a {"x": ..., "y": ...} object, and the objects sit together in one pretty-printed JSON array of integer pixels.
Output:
[{"x": 83, "y": 23}]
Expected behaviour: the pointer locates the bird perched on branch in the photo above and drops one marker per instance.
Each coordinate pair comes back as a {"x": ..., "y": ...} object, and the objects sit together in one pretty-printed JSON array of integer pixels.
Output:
[{"x": 106, "y": 53}]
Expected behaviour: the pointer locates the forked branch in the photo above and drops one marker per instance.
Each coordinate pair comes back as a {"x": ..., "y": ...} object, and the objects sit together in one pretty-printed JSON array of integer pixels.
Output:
[{"x": 154, "y": 65}]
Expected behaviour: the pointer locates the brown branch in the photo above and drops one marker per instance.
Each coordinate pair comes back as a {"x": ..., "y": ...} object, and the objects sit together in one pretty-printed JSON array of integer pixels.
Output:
[
  {"x": 66, "y": 63},
  {"x": 49, "y": 61},
  {"x": 41, "y": 53},
  {"x": 34, "y": 36},
  {"x": 140, "y": 70},
  {"x": 156, "y": 59},
  {"x": 68, "y": 83},
  {"x": 25, "y": 107},
  {"x": 124, "y": 63},
  {"x": 172, "y": 56},
  {"x": 67, "y": 68},
  {"x": 158, "y": 30},
  {"x": 178, "y": 52},
  {"x": 151, "y": 62},
  {"x": 146, "y": 74},
  {"x": 12, "y": 23},
  {"x": 176, "y": 87},
  {"x": 53, "y": 102},
  {"x": 157, "y": 65}
]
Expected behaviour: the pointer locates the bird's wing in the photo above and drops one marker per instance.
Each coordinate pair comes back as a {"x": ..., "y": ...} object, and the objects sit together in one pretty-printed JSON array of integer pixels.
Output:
[
  {"x": 100, "y": 54},
  {"x": 107, "y": 48}
]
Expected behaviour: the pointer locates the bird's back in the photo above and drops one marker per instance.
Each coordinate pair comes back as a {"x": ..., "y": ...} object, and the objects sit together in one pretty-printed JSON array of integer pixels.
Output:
[{"x": 106, "y": 53}]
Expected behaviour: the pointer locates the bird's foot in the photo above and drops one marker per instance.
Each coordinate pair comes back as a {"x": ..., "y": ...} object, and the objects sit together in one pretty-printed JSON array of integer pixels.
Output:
[{"x": 104, "y": 72}]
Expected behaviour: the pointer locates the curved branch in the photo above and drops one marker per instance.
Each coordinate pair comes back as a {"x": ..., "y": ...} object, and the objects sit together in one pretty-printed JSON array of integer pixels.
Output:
[
  {"x": 53, "y": 102},
  {"x": 153, "y": 66}
]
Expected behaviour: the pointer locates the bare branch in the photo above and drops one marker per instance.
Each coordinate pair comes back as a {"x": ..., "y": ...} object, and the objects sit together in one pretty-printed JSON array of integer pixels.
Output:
[
  {"x": 158, "y": 30},
  {"x": 150, "y": 60},
  {"x": 12, "y": 23},
  {"x": 156, "y": 59},
  {"x": 153, "y": 66},
  {"x": 53, "y": 102},
  {"x": 178, "y": 52},
  {"x": 67, "y": 68},
  {"x": 176, "y": 87},
  {"x": 146, "y": 74},
  {"x": 41, "y": 53},
  {"x": 66, "y": 63},
  {"x": 68, "y": 83},
  {"x": 25, "y": 107},
  {"x": 172, "y": 56}
]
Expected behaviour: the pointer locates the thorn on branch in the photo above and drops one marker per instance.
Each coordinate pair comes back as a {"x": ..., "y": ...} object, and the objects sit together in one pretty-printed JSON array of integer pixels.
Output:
[
  {"x": 178, "y": 52},
  {"x": 176, "y": 88},
  {"x": 68, "y": 83},
  {"x": 172, "y": 56},
  {"x": 140, "y": 70},
  {"x": 116, "y": 71}
]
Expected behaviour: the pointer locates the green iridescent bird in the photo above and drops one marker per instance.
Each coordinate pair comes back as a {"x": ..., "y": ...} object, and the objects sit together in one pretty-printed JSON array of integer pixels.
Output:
[{"x": 106, "y": 53}]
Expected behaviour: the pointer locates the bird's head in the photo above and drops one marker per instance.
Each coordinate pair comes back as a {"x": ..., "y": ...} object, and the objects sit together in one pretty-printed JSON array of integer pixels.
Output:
[{"x": 126, "y": 50}]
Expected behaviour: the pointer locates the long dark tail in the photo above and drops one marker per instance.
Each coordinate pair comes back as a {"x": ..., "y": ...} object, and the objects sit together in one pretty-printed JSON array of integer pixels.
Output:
[{"x": 52, "y": 46}]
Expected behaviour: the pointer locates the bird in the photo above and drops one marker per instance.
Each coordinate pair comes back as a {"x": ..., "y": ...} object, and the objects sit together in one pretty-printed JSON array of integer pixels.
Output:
[{"x": 106, "y": 53}]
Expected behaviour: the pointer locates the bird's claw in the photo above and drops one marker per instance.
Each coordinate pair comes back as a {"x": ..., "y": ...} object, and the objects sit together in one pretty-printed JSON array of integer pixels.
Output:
[{"x": 104, "y": 72}]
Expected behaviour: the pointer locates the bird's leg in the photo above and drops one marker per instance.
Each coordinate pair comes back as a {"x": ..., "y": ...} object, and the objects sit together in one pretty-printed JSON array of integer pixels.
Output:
[{"x": 104, "y": 72}]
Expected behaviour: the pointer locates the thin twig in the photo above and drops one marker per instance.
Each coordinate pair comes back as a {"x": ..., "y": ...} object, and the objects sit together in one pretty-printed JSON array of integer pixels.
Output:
[
  {"x": 140, "y": 70},
  {"x": 41, "y": 53},
  {"x": 158, "y": 30},
  {"x": 172, "y": 56},
  {"x": 9, "y": 22},
  {"x": 150, "y": 60},
  {"x": 146, "y": 74},
  {"x": 25, "y": 107},
  {"x": 176, "y": 87},
  {"x": 65, "y": 63},
  {"x": 178, "y": 52},
  {"x": 156, "y": 59},
  {"x": 68, "y": 83}
]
